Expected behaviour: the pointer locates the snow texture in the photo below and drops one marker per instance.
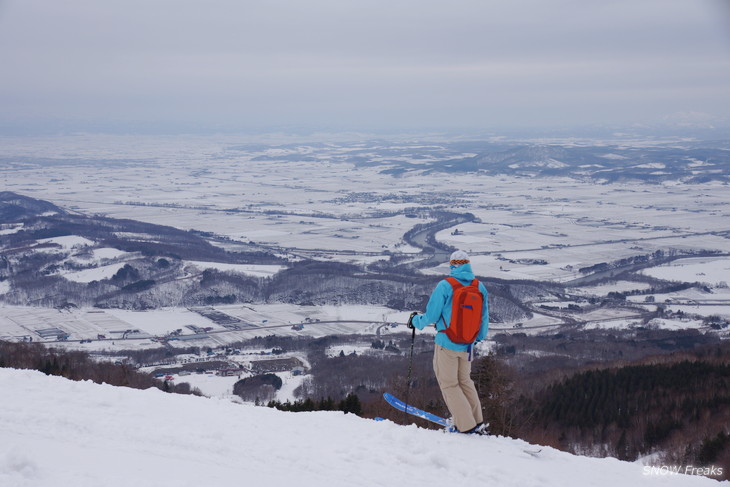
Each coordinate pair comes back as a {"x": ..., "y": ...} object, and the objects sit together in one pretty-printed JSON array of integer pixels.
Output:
[{"x": 61, "y": 433}]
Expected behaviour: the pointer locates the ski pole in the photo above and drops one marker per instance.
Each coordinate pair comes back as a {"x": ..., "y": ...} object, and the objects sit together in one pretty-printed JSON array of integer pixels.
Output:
[{"x": 410, "y": 367}]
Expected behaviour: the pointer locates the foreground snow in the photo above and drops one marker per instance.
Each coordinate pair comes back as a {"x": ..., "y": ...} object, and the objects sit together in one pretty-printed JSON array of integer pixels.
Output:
[{"x": 61, "y": 433}]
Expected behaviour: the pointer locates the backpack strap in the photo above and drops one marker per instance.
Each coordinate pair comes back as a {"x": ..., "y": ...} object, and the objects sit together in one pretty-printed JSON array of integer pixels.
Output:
[{"x": 455, "y": 284}]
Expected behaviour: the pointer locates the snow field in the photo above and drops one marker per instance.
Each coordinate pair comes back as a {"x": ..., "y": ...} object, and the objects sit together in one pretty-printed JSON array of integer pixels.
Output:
[
  {"x": 57, "y": 432},
  {"x": 344, "y": 201},
  {"x": 264, "y": 319},
  {"x": 708, "y": 270},
  {"x": 10, "y": 228},
  {"x": 68, "y": 242},
  {"x": 290, "y": 383},
  {"x": 95, "y": 274},
  {"x": 211, "y": 385},
  {"x": 609, "y": 287}
]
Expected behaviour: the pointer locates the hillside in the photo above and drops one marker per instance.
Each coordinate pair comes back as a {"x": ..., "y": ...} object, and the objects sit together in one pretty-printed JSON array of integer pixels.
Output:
[
  {"x": 58, "y": 432},
  {"x": 51, "y": 257}
]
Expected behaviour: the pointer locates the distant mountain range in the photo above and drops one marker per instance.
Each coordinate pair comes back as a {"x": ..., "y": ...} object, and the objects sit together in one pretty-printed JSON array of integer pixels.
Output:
[{"x": 599, "y": 163}]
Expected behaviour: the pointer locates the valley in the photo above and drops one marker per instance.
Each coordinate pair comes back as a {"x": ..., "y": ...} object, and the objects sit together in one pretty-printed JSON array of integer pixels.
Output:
[{"x": 115, "y": 243}]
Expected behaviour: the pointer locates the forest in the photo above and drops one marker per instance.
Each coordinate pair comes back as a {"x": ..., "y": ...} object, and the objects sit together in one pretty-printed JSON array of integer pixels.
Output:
[{"x": 677, "y": 405}]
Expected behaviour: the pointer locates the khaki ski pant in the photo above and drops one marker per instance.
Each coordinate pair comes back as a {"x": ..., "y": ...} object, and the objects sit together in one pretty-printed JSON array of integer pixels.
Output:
[{"x": 453, "y": 373}]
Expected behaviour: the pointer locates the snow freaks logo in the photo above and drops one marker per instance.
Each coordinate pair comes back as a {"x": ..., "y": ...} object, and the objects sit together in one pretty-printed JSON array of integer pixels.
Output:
[{"x": 711, "y": 471}]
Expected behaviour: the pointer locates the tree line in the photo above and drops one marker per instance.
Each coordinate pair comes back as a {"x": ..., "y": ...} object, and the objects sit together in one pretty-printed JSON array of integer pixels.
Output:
[
  {"x": 78, "y": 365},
  {"x": 350, "y": 404}
]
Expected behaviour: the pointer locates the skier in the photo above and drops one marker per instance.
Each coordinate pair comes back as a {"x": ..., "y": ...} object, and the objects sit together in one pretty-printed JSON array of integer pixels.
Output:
[{"x": 452, "y": 360}]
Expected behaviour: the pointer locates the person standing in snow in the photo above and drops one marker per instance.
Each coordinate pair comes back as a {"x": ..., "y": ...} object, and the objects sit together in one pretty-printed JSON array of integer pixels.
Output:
[{"x": 452, "y": 361}]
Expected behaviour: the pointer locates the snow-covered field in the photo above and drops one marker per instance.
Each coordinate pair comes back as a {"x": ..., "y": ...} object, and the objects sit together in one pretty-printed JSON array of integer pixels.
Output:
[
  {"x": 609, "y": 287},
  {"x": 307, "y": 199},
  {"x": 210, "y": 385},
  {"x": 61, "y": 433},
  {"x": 96, "y": 274},
  {"x": 17, "y": 322},
  {"x": 711, "y": 271}
]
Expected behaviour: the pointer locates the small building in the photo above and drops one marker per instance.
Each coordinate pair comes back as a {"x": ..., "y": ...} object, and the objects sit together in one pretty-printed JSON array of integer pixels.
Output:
[
  {"x": 197, "y": 336},
  {"x": 56, "y": 333},
  {"x": 274, "y": 365},
  {"x": 230, "y": 372}
]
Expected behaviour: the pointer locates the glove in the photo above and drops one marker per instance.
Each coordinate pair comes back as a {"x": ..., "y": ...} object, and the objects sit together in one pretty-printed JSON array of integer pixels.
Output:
[{"x": 410, "y": 320}]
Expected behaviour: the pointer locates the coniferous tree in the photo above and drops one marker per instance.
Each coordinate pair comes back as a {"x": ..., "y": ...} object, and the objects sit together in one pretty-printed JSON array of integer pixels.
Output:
[
  {"x": 711, "y": 448},
  {"x": 495, "y": 393},
  {"x": 351, "y": 404}
]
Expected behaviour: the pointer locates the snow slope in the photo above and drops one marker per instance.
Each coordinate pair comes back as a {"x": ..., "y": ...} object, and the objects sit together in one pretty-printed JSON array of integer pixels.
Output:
[{"x": 60, "y": 433}]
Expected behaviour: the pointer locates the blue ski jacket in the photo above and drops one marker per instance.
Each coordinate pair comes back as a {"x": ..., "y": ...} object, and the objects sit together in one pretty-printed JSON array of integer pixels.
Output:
[{"x": 438, "y": 309}]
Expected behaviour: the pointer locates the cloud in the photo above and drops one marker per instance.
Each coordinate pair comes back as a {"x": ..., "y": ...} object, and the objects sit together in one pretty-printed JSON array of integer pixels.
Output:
[{"x": 344, "y": 61}]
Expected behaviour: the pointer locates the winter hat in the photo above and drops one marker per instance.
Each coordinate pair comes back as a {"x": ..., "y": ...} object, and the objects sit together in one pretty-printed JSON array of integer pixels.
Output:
[{"x": 459, "y": 258}]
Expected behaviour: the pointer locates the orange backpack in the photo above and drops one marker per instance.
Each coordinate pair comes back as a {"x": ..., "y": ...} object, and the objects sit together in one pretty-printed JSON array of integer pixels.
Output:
[{"x": 466, "y": 312}]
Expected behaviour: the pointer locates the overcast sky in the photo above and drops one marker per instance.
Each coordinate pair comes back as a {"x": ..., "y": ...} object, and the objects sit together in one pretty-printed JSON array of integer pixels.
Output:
[{"x": 404, "y": 64}]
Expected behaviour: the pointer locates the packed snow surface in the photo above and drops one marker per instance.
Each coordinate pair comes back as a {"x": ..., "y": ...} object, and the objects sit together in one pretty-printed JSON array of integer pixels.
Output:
[{"x": 61, "y": 433}]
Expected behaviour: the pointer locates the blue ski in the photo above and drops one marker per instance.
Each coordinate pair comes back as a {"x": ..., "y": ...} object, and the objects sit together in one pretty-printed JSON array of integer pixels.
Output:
[{"x": 419, "y": 413}]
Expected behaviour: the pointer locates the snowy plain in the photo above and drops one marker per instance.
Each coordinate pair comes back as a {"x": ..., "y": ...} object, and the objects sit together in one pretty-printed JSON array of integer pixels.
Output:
[
  {"x": 94, "y": 435},
  {"x": 261, "y": 319},
  {"x": 309, "y": 199},
  {"x": 710, "y": 271}
]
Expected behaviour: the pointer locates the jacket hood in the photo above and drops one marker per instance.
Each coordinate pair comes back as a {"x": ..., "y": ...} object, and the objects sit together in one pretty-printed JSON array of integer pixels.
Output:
[{"x": 463, "y": 273}]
